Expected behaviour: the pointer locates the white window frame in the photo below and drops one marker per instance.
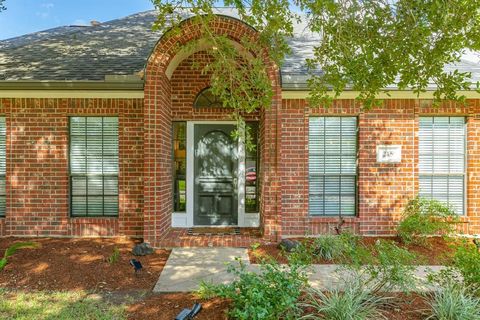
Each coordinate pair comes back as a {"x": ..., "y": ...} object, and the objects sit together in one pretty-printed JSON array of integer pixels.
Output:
[{"x": 465, "y": 163}]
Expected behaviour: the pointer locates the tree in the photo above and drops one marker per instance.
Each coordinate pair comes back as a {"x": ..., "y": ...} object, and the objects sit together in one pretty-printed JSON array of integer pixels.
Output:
[
  {"x": 364, "y": 46},
  {"x": 2, "y": 5}
]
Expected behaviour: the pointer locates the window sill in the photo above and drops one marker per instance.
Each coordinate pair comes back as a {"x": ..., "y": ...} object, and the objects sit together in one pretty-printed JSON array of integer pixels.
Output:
[
  {"x": 93, "y": 217},
  {"x": 331, "y": 219}
]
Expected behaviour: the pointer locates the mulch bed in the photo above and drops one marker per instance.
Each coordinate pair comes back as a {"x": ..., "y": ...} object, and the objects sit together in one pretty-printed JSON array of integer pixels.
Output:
[
  {"x": 167, "y": 306},
  {"x": 407, "y": 307},
  {"x": 437, "y": 251},
  {"x": 79, "y": 264}
]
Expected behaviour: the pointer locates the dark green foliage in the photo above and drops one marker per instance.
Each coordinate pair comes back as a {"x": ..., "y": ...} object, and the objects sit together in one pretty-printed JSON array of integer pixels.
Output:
[
  {"x": 271, "y": 294},
  {"x": 385, "y": 267},
  {"x": 368, "y": 45},
  {"x": 13, "y": 248},
  {"x": 467, "y": 261},
  {"x": 426, "y": 217},
  {"x": 335, "y": 247},
  {"x": 364, "y": 46}
]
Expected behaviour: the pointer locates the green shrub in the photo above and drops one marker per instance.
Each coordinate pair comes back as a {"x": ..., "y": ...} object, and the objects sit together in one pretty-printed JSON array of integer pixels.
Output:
[
  {"x": 454, "y": 302},
  {"x": 467, "y": 261},
  {"x": 351, "y": 303},
  {"x": 333, "y": 247},
  {"x": 14, "y": 248},
  {"x": 384, "y": 268},
  {"x": 270, "y": 294},
  {"x": 114, "y": 257},
  {"x": 425, "y": 217},
  {"x": 328, "y": 247}
]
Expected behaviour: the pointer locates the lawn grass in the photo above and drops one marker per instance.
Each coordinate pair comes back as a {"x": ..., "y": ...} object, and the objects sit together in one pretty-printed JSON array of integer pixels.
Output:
[{"x": 67, "y": 305}]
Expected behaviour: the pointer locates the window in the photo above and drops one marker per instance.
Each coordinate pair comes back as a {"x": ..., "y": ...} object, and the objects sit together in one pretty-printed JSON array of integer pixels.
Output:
[
  {"x": 332, "y": 165},
  {"x": 251, "y": 171},
  {"x": 94, "y": 166},
  {"x": 442, "y": 160},
  {"x": 3, "y": 162},
  {"x": 206, "y": 99},
  {"x": 180, "y": 166}
]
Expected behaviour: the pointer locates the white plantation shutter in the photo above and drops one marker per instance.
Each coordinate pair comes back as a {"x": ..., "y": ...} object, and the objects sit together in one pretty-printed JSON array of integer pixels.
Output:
[
  {"x": 3, "y": 165},
  {"x": 332, "y": 165},
  {"x": 94, "y": 166},
  {"x": 442, "y": 160}
]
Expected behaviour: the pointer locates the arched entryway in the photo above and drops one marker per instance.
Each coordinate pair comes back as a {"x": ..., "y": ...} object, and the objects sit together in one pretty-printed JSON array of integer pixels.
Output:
[{"x": 171, "y": 88}]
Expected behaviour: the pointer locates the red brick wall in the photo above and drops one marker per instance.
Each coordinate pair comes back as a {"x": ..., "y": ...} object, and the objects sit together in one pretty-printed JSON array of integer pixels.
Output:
[
  {"x": 37, "y": 167},
  {"x": 383, "y": 189}
]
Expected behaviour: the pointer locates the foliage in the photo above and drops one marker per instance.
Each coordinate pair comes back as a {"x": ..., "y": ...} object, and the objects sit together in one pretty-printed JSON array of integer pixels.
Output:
[
  {"x": 254, "y": 246},
  {"x": 365, "y": 46},
  {"x": 2, "y": 5},
  {"x": 114, "y": 257},
  {"x": 238, "y": 77},
  {"x": 270, "y": 294},
  {"x": 444, "y": 277},
  {"x": 57, "y": 305},
  {"x": 467, "y": 262},
  {"x": 425, "y": 217},
  {"x": 332, "y": 247},
  {"x": 386, "y": 267},
  {"x": 368, "y": 45},
  {"x": 354, "y": 302},
  {"x": 14, "y": 248},
  {"x": 454, "y": 302}
]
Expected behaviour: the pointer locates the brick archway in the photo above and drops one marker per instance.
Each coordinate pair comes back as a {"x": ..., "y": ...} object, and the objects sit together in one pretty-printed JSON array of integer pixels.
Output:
[{"x": 158, "y": 205}]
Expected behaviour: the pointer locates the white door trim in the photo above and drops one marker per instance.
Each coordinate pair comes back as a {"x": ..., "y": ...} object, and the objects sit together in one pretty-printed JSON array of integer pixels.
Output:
[{"x": 186, "y": 219}]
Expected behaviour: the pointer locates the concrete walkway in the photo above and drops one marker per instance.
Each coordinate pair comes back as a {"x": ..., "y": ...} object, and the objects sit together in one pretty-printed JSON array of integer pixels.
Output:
[{"x": 186, "y": 268}]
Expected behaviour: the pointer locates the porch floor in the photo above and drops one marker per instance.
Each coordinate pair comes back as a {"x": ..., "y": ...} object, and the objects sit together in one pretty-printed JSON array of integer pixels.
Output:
[{"x": 180, "y": 237}]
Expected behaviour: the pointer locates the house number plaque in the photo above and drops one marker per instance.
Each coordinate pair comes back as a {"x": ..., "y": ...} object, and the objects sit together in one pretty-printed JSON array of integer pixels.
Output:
[{"x": 389, "y": 153}]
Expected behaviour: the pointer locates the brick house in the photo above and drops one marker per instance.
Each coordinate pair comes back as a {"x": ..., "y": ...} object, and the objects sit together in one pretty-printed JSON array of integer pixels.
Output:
[{"x": 107, "y": 130}]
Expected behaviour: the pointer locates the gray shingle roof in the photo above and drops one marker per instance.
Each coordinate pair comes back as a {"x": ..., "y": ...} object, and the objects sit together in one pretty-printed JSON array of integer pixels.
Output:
[{"x": 121, "y": 47}]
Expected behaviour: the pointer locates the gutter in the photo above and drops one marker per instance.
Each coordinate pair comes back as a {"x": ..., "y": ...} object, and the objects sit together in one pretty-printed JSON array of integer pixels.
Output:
[{"x": 111, "y": 87}]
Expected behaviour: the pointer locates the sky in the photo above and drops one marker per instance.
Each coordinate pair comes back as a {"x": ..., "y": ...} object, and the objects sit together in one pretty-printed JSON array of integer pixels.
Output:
[{"x": 27, "y": 16}]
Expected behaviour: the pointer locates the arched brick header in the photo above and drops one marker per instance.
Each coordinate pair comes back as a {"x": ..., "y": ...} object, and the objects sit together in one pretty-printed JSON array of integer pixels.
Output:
[{"x": 158, "y": 182}]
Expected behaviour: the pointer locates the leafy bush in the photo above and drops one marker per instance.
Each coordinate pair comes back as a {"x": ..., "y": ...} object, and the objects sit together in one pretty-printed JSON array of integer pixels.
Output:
[
  {"x": 425, "y": 217},
  {"x": 351, "y": 303},
  {"x": 454, "y": 302},
  {"x": 114, "y": 257},
  {"x": 14, "y": 248},
  {"x": 331, "y": 247},
  {"x": 270, "y": 294},
  {"x": 467, "y": 261},
  {"x": 387, "y": 267}
]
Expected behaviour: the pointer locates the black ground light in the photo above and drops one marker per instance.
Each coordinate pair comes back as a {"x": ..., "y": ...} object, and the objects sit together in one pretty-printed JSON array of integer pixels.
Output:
[
  {"x": 187, "y": 314},
  {"x": 136, "y": 265}
]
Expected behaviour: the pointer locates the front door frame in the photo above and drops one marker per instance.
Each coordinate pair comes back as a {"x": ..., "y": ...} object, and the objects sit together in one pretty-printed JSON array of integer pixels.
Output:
[{"x": 190, "y": 173}]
